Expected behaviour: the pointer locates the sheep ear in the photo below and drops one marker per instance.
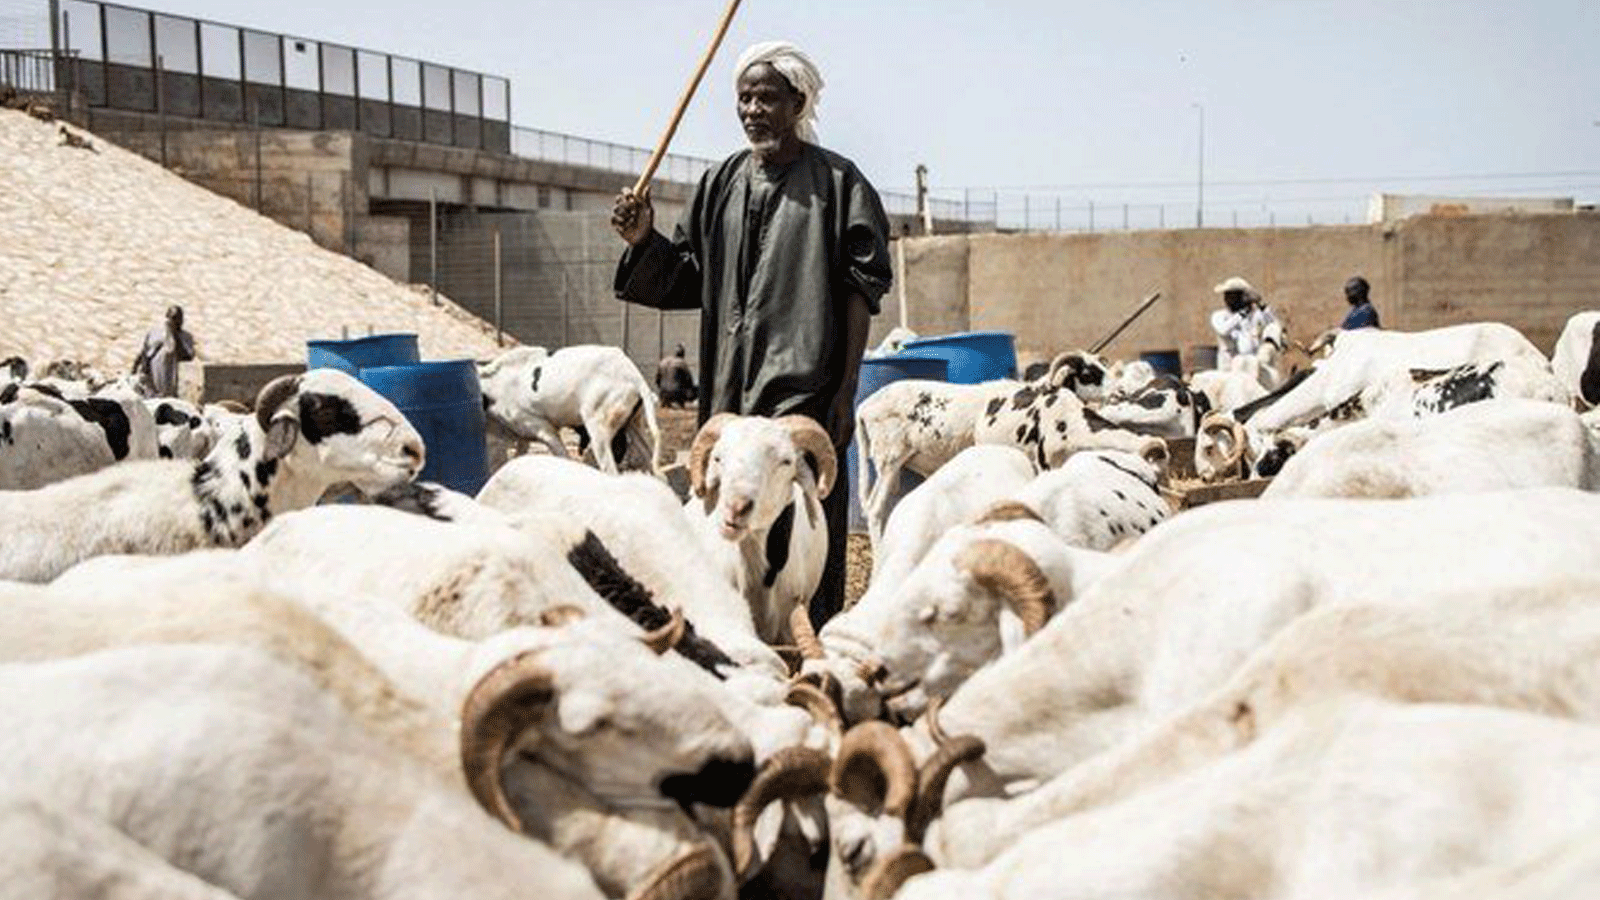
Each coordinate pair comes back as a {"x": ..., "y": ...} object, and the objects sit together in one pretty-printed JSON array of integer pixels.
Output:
[
  {"x": 282, "y": 433},
  {"x": 580, "y": 712}
]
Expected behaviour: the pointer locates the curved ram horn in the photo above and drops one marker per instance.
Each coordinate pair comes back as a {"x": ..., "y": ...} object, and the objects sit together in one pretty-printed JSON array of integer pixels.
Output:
[
  {"x": 791, "y": 773},
  {"x": 1002, "y": 567},
  {"x": 274, "y": 395},
  {"x": 1008, "y": 511},
  {"x": 933, "y": 777},
  {"x": 809, "y": 437},
  {"x": 692, "y": 875},
  {"x": 511, "y": 696},
  {"x": 931, "y": 720},
  {"x": 805, "y": 636},
  {"x": 561, "y": 615},
  {"x": 815, "y": 701},
  {"x": 1154, "y": 451},
  {"x": 663, "y": 639},
  {"x": 700, "y": 450},
  {"x": 875, "y": 768},
  {"x": 1222, "y": 422},
  {"x": 889, "y": 872}
]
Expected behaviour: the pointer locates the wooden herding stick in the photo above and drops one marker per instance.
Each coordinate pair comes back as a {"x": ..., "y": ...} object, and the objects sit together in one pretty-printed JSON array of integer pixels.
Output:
[
  {"x": 683, "y": 104},
  {"x": 1126, "y": 322}
]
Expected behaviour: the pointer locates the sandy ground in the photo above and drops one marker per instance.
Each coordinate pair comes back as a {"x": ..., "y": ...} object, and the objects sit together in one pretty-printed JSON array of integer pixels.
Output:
[{"x": 98, "y": 242}]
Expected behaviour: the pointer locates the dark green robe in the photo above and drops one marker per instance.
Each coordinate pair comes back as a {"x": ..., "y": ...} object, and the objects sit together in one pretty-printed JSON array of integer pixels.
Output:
[{"x": 770, "y": 259}]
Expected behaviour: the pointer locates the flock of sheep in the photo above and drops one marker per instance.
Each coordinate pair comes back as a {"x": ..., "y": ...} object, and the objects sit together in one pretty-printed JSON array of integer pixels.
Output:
[{"x": 1380, "y": 680}]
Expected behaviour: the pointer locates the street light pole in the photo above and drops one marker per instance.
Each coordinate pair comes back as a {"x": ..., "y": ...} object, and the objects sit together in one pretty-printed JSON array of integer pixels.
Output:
[{"x": 1200, "y": 176}]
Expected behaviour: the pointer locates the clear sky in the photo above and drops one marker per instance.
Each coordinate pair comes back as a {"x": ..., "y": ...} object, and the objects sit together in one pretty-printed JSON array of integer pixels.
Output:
[{"x": 1309, "y": 105}]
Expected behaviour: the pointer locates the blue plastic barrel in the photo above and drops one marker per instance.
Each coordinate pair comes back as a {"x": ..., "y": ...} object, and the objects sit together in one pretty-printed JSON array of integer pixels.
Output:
[
  {"x": 973, "y": 356},
  {"x": 875, "y": 374},
  {"x": 1165, "y": 362},
  {"x": 351, "y": 356},
  {"x": 442, "y": 401}
]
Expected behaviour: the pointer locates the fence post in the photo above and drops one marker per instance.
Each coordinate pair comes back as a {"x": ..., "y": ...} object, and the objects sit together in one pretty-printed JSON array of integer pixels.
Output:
[
  {"x": 626, "y": 322},
  {"x": 566, "y": 311},
  {"x": 310, "y": 221},
  {"x": 1091, "y": 217},
  {"x": 71, "y": 63},
  {"x": 499, "y": 321},
  {"x": 433, "y": 245},
  {"x": 161, "y": 105},
  {"x": 255, "y": 129},
  {"x": 1124, "y": 217}
]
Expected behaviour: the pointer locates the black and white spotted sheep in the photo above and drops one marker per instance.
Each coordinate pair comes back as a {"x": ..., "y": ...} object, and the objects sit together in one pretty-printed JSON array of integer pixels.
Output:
[{"x": 309, "y": 433}]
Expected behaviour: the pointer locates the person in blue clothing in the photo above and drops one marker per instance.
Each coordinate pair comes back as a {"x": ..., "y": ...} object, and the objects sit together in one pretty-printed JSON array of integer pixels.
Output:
[{"x": 1361, "y": 314}]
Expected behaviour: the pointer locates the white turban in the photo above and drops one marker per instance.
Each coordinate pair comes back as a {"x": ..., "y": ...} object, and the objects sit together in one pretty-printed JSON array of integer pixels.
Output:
[{"x": 797, "y": 68}]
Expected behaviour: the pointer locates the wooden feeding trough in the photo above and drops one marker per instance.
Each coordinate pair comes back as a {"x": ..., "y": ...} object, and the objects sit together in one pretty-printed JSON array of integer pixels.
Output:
[{"x": 1183, "y": 496}]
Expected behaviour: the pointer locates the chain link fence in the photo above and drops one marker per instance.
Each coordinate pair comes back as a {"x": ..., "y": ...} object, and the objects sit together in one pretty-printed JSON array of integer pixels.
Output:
[{"x": 544, "y": 278}]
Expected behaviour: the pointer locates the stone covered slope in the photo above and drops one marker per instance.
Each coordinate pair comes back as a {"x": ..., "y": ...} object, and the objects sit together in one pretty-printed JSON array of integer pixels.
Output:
[{"x": 95, "y": 244}]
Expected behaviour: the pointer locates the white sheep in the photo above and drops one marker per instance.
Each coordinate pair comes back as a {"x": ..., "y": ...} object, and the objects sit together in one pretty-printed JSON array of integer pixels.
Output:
[
  {"x": 235, "y": 767},
  {"x": 1097, "y": 499},
  {"x": 597, "y": 389},
  {"x": 1152, "y": 636},
  {"x": 309, "y": 432},
  {"x": 1526, "y": 646},
  {"x": 1345, "y": 798},
  {"x": 183, "y": 430},
  {"x": 916, "y": 425},
  {"x": 634, "y": 734},
  {"x": 1576, "y": 358},
  {"x": 638, "y": 521},
  {"x": 1487, "y": 446},
  {"x": 960, "y": 490},
  {"x": 758, "y": 487},
  {"x": 47, "y": 435},
  {"x": 58, "y": 852},
  {"x": 980, "y": 591}
]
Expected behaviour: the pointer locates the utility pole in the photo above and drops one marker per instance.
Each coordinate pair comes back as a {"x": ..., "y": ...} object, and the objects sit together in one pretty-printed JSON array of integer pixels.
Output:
[
  {"x": 923, "y": 209},
  {"x": 1200, "y": 176}
]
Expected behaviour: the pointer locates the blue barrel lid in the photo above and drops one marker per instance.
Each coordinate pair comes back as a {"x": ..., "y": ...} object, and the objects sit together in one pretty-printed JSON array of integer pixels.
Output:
[
  {"x": 386, "y": 337},
  {"x": 961, "y": 337},
  {"x": 423, "y": 384}
]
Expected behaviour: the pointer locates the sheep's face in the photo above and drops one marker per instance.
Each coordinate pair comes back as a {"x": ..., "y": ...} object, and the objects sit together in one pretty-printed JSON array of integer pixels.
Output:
[
  {"x": 859, "y": 836},
  {"x": 510, "y": 386},
  {"x": 348, "y": 432},
  {"x": 937, "y": 629},
  {"x": 630, "y": 724},
  {"x": 1084, "y": 374},
  {"x": 751, "y": 475},
  {"x": 182, "y": 431}
]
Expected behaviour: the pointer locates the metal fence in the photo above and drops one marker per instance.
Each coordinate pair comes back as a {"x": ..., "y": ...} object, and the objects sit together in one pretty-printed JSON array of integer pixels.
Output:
[
  {"x": 139, "y": 60},
  {"x": 544, "y": 278},
  {"x": 569, "y": 149},
  {"x": 29, "y": 71}
]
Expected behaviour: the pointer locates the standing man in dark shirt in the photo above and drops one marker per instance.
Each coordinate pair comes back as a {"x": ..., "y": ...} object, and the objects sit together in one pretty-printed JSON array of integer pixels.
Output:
[
  {"x": 1361, "y": 314},
  {"x": 784, "y": 250}
]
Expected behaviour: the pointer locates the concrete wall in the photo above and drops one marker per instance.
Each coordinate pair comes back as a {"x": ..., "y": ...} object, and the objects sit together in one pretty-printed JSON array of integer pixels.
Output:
[
  {"x": 1058, "y": 291},
  {"x": 305, "y": 176}
]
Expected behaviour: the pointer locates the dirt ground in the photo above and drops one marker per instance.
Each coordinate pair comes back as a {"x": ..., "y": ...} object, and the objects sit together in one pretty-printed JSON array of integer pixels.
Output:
[{"x": 677, "y": 430}]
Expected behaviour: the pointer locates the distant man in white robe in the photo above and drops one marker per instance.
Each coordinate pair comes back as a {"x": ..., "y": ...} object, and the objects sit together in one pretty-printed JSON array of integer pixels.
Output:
[{"x": 164, "y": 348}]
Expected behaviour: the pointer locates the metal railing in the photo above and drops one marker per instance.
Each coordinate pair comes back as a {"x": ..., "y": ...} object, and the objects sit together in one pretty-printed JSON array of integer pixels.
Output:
[
  {"x": 28, "y": 70},
  {"x": 140, "y": 60},
  {"x": 570, "y": 149}
]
